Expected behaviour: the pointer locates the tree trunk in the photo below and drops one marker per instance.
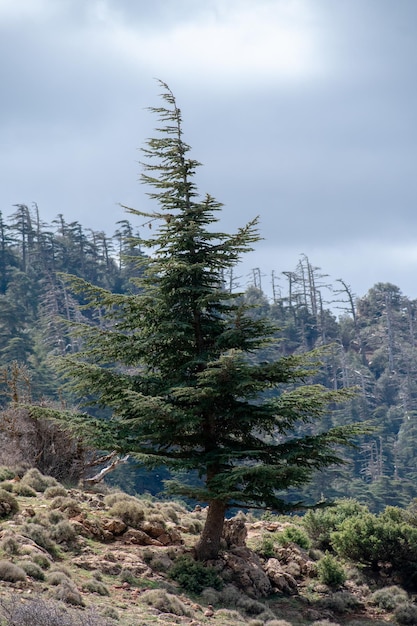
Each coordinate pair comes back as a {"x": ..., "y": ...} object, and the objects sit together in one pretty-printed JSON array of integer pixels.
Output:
[{"x": 208, "y": 545}]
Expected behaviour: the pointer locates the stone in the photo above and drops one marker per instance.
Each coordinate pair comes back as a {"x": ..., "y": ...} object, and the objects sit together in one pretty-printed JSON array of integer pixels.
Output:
[
  {"x": 280, "y": 579},
  {"x": 235, "y": 532}
]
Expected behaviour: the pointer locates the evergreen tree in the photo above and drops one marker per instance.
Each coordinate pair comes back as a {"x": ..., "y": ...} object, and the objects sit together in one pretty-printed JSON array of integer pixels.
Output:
[{"x": 176, "y": 362}]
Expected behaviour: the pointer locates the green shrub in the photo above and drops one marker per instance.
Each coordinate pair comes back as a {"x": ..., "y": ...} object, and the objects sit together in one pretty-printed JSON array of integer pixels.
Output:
[
  {"x": 10, "y": 572},
  {"x": 54, "y": 517},
  {"x": 33, "y": 478},
  {"x": 21, "y": 489},
  {"x": 330, "y": 571},
  {"x": 68, "y": 506},
  {"x": 388, "y": 598},
  {"x": 294, "y": 534},
  {"x": 10, "y": 545},
  {"x": 377, "y": 540},
  {"x": 266, "y": 545},
  {"x": 118, "y": 496},
  {"x": 320, "y": 523},
  {"x": 57, "y": 577},
  {"x": 6, "y": 473},
  {"x": 7, "y": 486},
  {"x": 127, "y": 576},
  {"x": 194, "y": 576},
  {"x": 8, "y": 504},
  {"x": 63, "y": 532},
  {"x": 41, "y": 537},
  {"x": 67, "y": 592},
  {"x": 54, "y": 491},
  {"x": 41, "y": 560},
  {"x": 165, "y": 602},
  {"x": 340, "y": 602},
  {"x": 130, "y": 512},
  {"x": 40, "y": 612},
  {"x": 406, "y": 614},
  {"x": 95, "y": 586},
  {"x": 32, "y": 569}
]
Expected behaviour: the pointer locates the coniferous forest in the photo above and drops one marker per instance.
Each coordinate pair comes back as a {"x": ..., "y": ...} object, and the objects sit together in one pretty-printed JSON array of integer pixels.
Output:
[{"x": 371, "y": 342}]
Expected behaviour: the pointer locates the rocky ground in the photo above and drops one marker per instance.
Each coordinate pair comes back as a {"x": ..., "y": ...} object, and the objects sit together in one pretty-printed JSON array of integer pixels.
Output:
[{"x": 104, "y": 558}]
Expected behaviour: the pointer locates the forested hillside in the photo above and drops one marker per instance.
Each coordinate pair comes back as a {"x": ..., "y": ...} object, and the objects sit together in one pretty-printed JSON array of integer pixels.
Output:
[{"x": 371, "y": 344}]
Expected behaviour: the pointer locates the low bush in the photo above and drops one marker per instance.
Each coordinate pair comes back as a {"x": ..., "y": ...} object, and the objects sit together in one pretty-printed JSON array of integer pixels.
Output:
[
  {"x": 69, "y": 506},
  {"x": 32, "y": 569},
  {"x": 67, "y": 592},
  {"x": 388, "y": 598},
  {"x": 33, "y": 478},
  {"x": 41, "y": 537},
  {"x": 41, "y": 560},
  {"x": 194, "y": 576},
  {"x": 95, "y": 586},
  {"x": 294, "y": 534},
  {"x": 330, "y": 572},
  {"x": 266, "y": 545},
  {"x": 380, "y": 541},
  {"x": 56, "y": 578},
  {"x": 10, "y": 572},
  {"x": 320, "y": 523},
  {"x": 406, "y": 614},
  {"x": 21, "y": 489},
  {"x": 129, "y": 511},
  {"x": 55, "y": 491},
  {"x": 10, "y": 545},
  {"x": 6, "y": 473},
  {"x": 37, "y": 611},
  {"x": 63, "y": 532},
  {"x": 340, "y": 602},
  {"x": 166, "y": 602},
  {"x": 8, "y": 504}
]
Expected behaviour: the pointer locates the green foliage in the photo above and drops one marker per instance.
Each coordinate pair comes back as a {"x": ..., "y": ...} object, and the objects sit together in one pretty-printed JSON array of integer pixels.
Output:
[
  {"x": 95, "y": 586},
  {"x": 32, "y": 569},
  {"x": 321, "y": 522},
  {"x": 294, "y": 534},
  {"x": 10, "y": 572},
  {"x": 129, "y": 511},
  {"x": 266, "y": 545},
  {"x": 41, "y": 537},
  {"x": 406, "y": 614},
  {"x": 37, "y": 481},
  {"x": 63, "y": 532},
  {"x": 330, "y": 571},
  {"x": 389, "y": 598},
  {"x": 194, "y": 576},
  {"x": 6, "y": 473},
  {"x": 175, "y": 363},
  {"x": 379, "y": 542},
  {"x": 166, "y": 602},
  {"x": 8, "y": 504}
]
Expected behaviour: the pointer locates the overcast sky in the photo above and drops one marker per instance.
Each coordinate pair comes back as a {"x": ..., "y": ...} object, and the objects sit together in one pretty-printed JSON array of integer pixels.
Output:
[{"x": 303, "y": 112}]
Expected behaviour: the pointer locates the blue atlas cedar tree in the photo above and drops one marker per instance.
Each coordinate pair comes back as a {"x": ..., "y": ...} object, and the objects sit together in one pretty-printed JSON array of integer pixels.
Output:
[{"x": 176, "y": 362}]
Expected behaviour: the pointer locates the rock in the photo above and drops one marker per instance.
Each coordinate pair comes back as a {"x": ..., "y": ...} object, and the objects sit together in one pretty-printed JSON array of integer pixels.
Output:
[
  {"x": 114, "y": 526},
  {"x": 280, "y": 579},
  {"x": 139, "y": 537},
  {"x": 247, "y": 573},
  {"x": 296, "y": 560},
  {"x": 153, "y": 529},
  {"x": 235, "y": 532}
]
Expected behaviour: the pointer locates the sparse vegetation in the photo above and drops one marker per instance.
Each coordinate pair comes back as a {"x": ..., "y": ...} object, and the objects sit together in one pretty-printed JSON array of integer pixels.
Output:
[{"x": 129, "y": 582}]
